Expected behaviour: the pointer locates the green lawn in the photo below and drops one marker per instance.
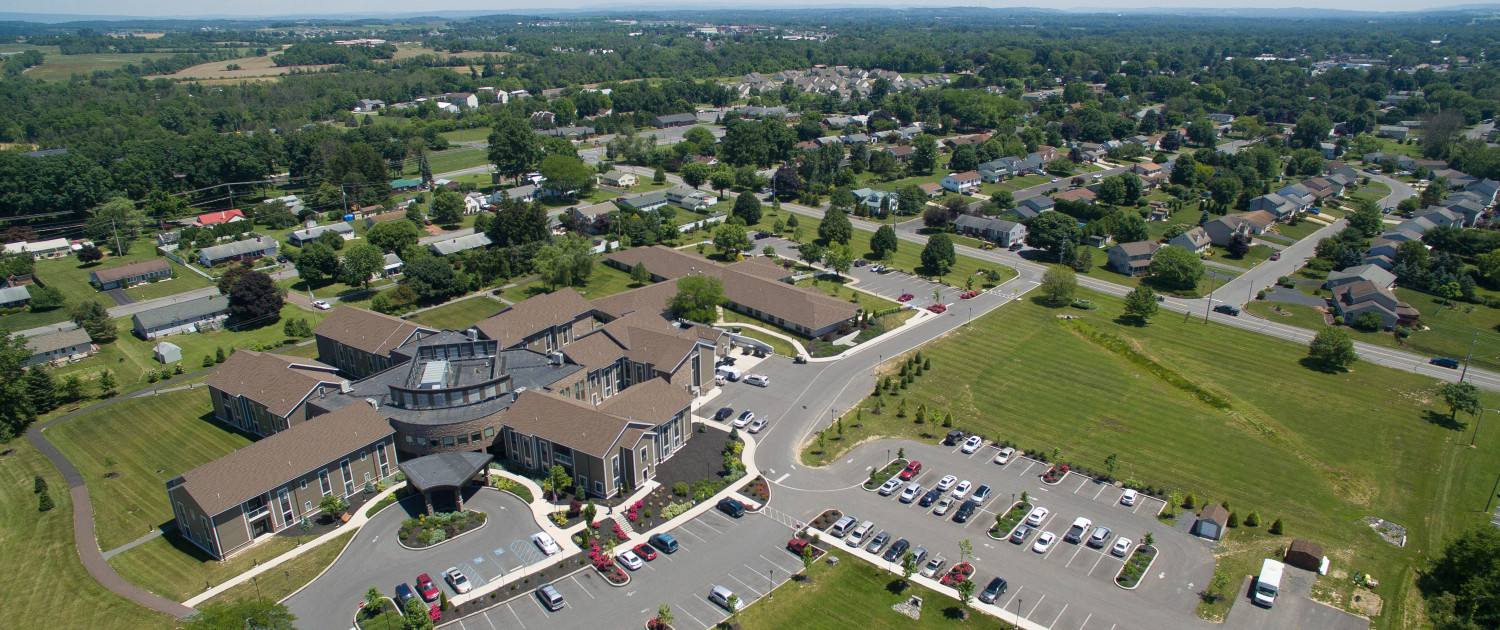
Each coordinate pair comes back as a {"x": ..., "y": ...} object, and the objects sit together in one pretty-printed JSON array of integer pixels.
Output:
[
  {"x": 1102, "y": 271},
  {"x": 39, "y": 545},
  {"x": 1316, "y": 429},
  {"x": 60, "y": 67},
  {"x": 146, "y": 441},
  {"x": 604, "y": 280},
  {"x": 854, "y": 594},
  {"x": 1291, "y": 314},
  {"x": 174, "y": 568},
  {"x": 1027, "y": 181},
  {"x": 1258, "y": 254},
  {"x": 332, "y": 288},
  {"x": 303, "y": 569},
  {"x": 459, "y": 315},
  {"x": 838, "y": 290},
  {"x": 467, "y": 135},
  {"x": 1301, "y": 230},
  {"x": 778, "y": 345},
  {"x": 72, "y": 279},
  {"x": 450, "y": 160},
  {"x": 908, "y": 257}
]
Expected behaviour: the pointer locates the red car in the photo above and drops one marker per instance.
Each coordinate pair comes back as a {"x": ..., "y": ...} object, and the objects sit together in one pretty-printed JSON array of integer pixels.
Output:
[
  {"x": 796, "y": 545},
  {"x": 645, "y": 551},
  {"x": 905, "y": 297},
  {"x": 426, "y": 588},
  {"x": 910, "y": 471},
  {"x": 1276, "y": 256},
  {"x": 937, "y": 308}
]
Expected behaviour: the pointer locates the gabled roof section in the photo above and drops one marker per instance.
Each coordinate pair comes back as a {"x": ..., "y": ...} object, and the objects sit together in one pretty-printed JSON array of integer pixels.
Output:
[
  {"x": 278, "y": 382},
  {"x": 368, "y": 331},
  {"x": 528, "y": 317},
  {"x": 571, "y": 423},
  {"x": 654, "y": 401}
]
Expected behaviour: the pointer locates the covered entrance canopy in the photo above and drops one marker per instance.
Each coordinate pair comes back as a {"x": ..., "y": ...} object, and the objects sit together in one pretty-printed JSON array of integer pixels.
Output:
[{"x": 444, "y": 471}]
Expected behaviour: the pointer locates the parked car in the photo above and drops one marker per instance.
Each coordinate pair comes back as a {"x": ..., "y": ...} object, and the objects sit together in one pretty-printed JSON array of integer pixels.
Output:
[
  {"x": 972, "y": 444},
  {"x": 878, "y": 542},
  {"x": 1003, "y": 457},
  {"x": 664, "y": 542},
  {"x": 724, "y": 413},
  {"x": 797, "y": 545},
  {"x": 1122, "y": 547},
  {"x": 905, "y": 297},
  {"x": 545, "y": 543},
  {"x": 992, "y": 591},
  {"x": 919, "y": 554},
  {"x": 721, "y": 596},
  {"x": 425, "y": 586},
  {"x": 1227, "y": 310},
  {"x": 457, "y": 580},
  {"x": 911, "y": 470},
  {"x": 1446, "y": 362},
  {"x": 1078, "y": 530},
  {"x": 933, "y": 566},
  {"x": 1044, "y": 542},
  {"x": 890, "y": 486},
  {"x": 404, "y": 594},
  {"x": 1100, "y": 536},
  {"x": 744, "y": 419},
  {"x": 1276, "y": 256},
  {"x": 910, "y": 493},
  {"x": 321, "y": 305},
  {"x": 757, "y": 424},
  {"x": 1037, "y": 515},
  {"x": 645, "y": 551},
  {"x": 946, "y": 483},
  {"x": 550, "y": 598},
  {"x": 981, "y": 494},
  {"x": 758, "y": 380},
  {"x": 1019, "y": 536},
  {"x": 942, "y": 506},
  {"x": 731, "y": 507},
  {"x": 932, "y": 495},
  {"x": 629, "y": 560},
  {"x": 897, "y": 549},
  {"x": 965, "y": 511},
  {"x": 877, "y": 268},
  {"x": 962, "y": 489},
  {"x": 1129, "y": 497}
]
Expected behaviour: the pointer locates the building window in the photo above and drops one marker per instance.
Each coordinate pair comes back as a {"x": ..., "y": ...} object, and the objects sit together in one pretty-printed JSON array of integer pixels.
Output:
[
  {"x": 448, "y": 441},
  {"x": 304, "y": 483},
  {"x": 307, "y": 506},
  {"x": 599, "y": 487},
  {"x": 489, "y": 432},
  {"x": 474, "y": 437},
  {"x": 324, "y": 482},
  {"x": 463, "y": 439},
  {"x": 410, "y": 440},
  {"x": 434, "y": 443},
  {"x": 362, "y": 455}
]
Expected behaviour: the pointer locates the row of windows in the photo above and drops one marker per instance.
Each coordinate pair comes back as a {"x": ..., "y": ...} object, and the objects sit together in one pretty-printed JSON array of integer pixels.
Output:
[{"x": 460, "y": 440}]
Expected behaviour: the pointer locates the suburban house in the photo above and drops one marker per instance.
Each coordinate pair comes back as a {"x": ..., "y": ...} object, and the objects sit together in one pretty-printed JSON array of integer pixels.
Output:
[
  {"x": 462, "y": 243},
  {"x": 619, "y": 179},
  {"x": 1211, "y": 521},
  {"x": 961, "y": 183},
  {"x": 1223, "y": 229},
  {"x": 570, "y": 133},
  {"x": 225, "y": 505},
  {"x": 1352, "y": 300},
  {"x": 1485, "y": 188},
  {"x": 50, "y": 248},
  {"x": 201, "y": 313},
  {"x": 301, "y": 237},
  {"x": 358, "y": 341},
  {"x": 1132, "y": 258},
  {"x": 59, "y": 347},
  {"x": 1280, "y": 207},
  {"x": 674, "y": 120},
  {"x": 1195, "y": 240},
  {"x": 374, "y": 219},
  {"x": 1382, "y": 278},
  {"x": 246, "y": 250},
  {"x": 215, "y": 218},
  {"x": 131, "y": 274},
  {"x": 590, "y": 218},
  {"x": 647, "y": 202},
  {"x": 751, "y": 287},
  {"x": 1000, "y": 231},
  {"x": 474, "y": 202},
  {"x": 265, "y": 393},
  {"x": 14, "y": 297},
  {"x": 690, "y": 198},
  {"x": 369, "y": 105},
  {"x": 1076, "y": 194},
  {"x": 543, "y": 323},
  {"x": 526, "y": 194},
  {"x": 1394, "y": 132},
  {"x": 392, "y": 266},
  {"x": 1032, "y": 206},
  {"x": 875, "y": 199},
  {"x": 902, "y": 151}
]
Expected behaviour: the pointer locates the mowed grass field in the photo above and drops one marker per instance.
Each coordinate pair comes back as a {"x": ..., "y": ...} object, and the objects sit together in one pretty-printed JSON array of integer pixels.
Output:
[
  {"x": 249, "y": 67},
  {"x": 72, "y": 279},
  {"x": 459, "y": 315},
  {"x": 1320, "y": 450},
  {"x": 450, "y": 160},
  {"x": 603, "y": 280},
  {"x": 174, "y": 568},
  {"x": 854, "y": 594},
  {"x": 59, "y": 67},
  {"x": 57, "y": 592},
  {"x": 145, "y": 442}
]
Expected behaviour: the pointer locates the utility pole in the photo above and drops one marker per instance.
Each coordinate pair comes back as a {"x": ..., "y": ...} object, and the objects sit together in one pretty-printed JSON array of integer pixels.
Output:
[
  {"x": 1491, "y": 499},
  {"x": 1464, "y": 373},
  {"x": 1210, "y": 307},
  {"x": 116, "y": 230}
]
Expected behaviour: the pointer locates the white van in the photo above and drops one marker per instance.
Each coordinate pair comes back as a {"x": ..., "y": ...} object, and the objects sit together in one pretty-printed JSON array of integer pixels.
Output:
[
  {"x": 728, "y": 371},
  {"x": 859, "y": 534},
  {"x": 842, "y": 526}
]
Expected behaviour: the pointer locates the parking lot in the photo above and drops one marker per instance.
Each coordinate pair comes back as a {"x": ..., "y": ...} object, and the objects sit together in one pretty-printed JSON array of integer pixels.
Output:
[
  {"x": 1071, "y": 585},
  {"x": 889, "y": 285},
  {"x": 748, "y": 555}
]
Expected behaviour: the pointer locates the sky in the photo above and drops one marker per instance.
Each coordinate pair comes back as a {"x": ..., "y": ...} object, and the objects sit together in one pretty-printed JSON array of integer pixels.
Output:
[{"x": 223, "y": 8}]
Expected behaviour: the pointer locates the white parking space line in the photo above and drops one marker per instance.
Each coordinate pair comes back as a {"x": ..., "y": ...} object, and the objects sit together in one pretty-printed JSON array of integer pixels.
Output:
[
  {"x": 1034, "y": 606},
  {"x": 1101, "y": 491},
  {"x": 689, "y": 532},
  {"x": 488, "y": 620},
  {"x": 778, "y": 565},
  {"x": 540, "y": 607},
  {"x": 513, "y": 614},
  {"x": 752, "y": 588},
  {"x": 1086, "y": 621},
  {"x": 1013, "y": 597},
  {"x": 1059, "y": 616},
  {"x": 768, "y": 577},
  {"x": 684, "y": 611},
  {"x": 720, "y": 515},
  {"x": 1076, "y": 551},
  {"x": 1029, "y": 464},
  {"x": 1096, "y": 564},
  {"x": 710, "y": 527},
  {"x": 1081, "y": 485},
  {"x": 580, "y": 586}
]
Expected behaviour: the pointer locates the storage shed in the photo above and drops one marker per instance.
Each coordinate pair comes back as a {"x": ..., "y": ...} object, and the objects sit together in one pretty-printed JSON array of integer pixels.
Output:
[
  {"x": 1211, "y": 522},
  {"x": 167, "y": 352},
  {"x": 1305, "y": 554}
]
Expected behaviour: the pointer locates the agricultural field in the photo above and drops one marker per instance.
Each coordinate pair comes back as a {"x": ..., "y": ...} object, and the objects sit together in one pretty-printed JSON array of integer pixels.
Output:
[{"x": 249, "y": 67}]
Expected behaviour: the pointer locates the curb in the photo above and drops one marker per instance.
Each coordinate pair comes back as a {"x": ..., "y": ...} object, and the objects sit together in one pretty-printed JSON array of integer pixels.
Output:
[
  {"x": 498, "y": 601},
  {"x": 1144, "y": 571},
  {"x": 361, "y": 607},
  {"x": 606, "y": 578}
]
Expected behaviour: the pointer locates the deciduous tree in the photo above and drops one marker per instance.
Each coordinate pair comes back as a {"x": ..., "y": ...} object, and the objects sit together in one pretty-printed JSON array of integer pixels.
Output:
[
  {"x": 698, "y": 298},
  {"x": 1140, "y": 304},
  {"x": 1059, "y": 283},
  {"x": 1461, "y": 397},
  {"x": 1333, "y": 348},
  {"x": 885, "y": 243},
  {"x": 835, "y": 228},
  {"x": 254, "y": 299},
  {"x": 361, "y": 262}
]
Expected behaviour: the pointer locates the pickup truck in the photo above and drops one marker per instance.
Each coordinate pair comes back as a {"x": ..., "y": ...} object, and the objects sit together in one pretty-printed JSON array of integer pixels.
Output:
[{"x": 1079, "y": 529}]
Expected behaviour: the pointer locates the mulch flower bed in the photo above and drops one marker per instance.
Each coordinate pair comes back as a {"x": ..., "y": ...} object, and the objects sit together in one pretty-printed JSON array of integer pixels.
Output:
[
  {"x": 757, "y": 489},
  {"x": 605, "y": 565},
  {"x": 1055, "y": 474},
  {"x": 960, "y": 572},
  {"x": 827, "y": 519},
  {"x": 426, "y": 531}
]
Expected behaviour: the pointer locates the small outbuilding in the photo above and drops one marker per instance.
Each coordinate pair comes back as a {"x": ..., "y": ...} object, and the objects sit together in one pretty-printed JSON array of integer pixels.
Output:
[
  {"x": 1211, "y": 522},
  {"x": 1305, "y": 554},
  {"x": 167, "y": 352},
  {"x": 447, "y": 471}
]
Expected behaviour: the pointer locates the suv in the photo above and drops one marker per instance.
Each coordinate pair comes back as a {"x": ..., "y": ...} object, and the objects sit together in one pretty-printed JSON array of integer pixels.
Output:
[
  {"x": 927, "y": 499},
  {"x": 1100, "y": 536},
  {"x": 1079, "y": 529},
  {"x": 1447, "y": 362},
  {"x": 663, "y": 542},
  {"x": 723, "y": 414},
  {"x": 1227, "y": 310},
  {"x": 1019, "y": 536},
  {"x": 992, "y": 592},
  {"x": 731, "y": 507},
  {"x": 965, "y": 511},
  {"x": 550, "y": 598},
  {"x": 910, "y": 471}
]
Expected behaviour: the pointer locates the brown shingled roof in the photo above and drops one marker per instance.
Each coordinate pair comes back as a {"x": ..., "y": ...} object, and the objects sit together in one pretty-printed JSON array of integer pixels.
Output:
[
  {"x": 112, "y": 274},
  {"x": 594, "y": 351},
  {"x": 529, "y": 316},
  {"x": 237, "y": 477},
  {"x": 654, "y": 401},
  {"x": 280, "y": 383},
  {"x": 651, "y": 298},
  {"x": 571, "y": 423},
  {"x": 760, "y": 267},
  {"x": 367, "y": 330}
]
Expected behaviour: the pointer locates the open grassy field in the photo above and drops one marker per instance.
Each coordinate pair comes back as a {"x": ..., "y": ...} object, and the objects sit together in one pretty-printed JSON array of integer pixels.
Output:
[
  {"x": 1292, "y": 315},
  {"x": 174, "y": 568},
  {"x": 839, "y": 290},
  {"x": 467, "y": 135},
  {"x": 1102, "y": 271},
  {"x": 1057, "y": 389},
  {"x": 450, "y": 160},
  {"x": 72, "y": 279},
  {"x": 459, "y": 315},
  {"x": 249, "y": 67},
  {"x": 144, "y": 442},
  {"x": 1301, "y": 230},
  {"x": 57, "y": 591},
  {"x": 854, "y": 594},
  {"x": 59, "y": 67},
  {"x": 603, "y": 280},
  {"x": 1258, "y": 254},
  {"x": 302, "y": 568},
  {"x": 908, "y": 257}
]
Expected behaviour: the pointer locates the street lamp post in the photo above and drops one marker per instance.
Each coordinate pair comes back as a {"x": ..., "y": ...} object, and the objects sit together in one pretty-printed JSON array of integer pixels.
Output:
[{"x": 1478, "y": 420}]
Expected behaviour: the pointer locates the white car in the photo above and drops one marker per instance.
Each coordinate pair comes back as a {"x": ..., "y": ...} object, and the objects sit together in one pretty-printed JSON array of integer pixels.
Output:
[
  {"x": 942, "y": 506},
  {"x": 720, "y": 595},
  {"x": 1128, "y": 498},
  {"x": 545, "y": 543},
  {"x": 946, "y": 482},
  {"x": 457, "y": 580},
  {"x": 321, "y": 305},
  {"x": 1122, "y": 547},
  {"x": 1036, "y": 516},
  {"x": 1003, "y": 457},
  {"x": 972, "y": 444},
  {"x": 934, "y": 566},
  {"x": 758, "y": 380},
  {"x": 890, "y": 486},
  {"x": 757, "y": 424},
  {"x": 1044, "y": 542},
  {"x": 629, "y": 560},
  {"x": 962, "y": 489},
  {"x": 910, "y": 493},
  {"x": 744, "y": 419}
]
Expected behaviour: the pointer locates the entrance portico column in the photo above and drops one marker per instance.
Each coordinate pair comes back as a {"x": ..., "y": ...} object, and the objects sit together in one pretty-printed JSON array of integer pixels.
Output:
[
  {"x": 458, "y": 497},
  {"x": 427, "y": 500}
]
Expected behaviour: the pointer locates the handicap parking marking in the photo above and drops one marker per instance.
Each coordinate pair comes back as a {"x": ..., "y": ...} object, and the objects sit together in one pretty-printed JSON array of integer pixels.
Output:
[{"x": 468, "y": 569}]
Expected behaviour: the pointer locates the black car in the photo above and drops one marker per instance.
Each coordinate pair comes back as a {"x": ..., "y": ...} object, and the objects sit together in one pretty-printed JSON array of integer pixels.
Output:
[
  {"x": 965, "y": 511},
  {"x": 954, "y": 437},
  {"x": 1227, "y": 310},
  {"x": 897, "y": 548},
  {"x": 932, "y": 495},
  {"x": 1447, "y": 362},
  {"x": 731, "y": 507},
  {"x": 993, "y": 592},
  {"x": 723, "y": 414}
]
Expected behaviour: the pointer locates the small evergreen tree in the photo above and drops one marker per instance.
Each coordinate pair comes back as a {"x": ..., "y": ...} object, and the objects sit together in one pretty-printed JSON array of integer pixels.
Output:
[
  {"x": 1253, "y": 519},
  {"x": 1276, "y": 527},
  {"x": 1190, "y": 501},
  {"x": 38, "y": 485},
  {"x": 208, "y": 361},
  {"x": 1234, "y": 519},
  {"x": 948, "y": 420},
  {"x": 219, "y": 355},
  {"x": 44, "y": 502}
]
